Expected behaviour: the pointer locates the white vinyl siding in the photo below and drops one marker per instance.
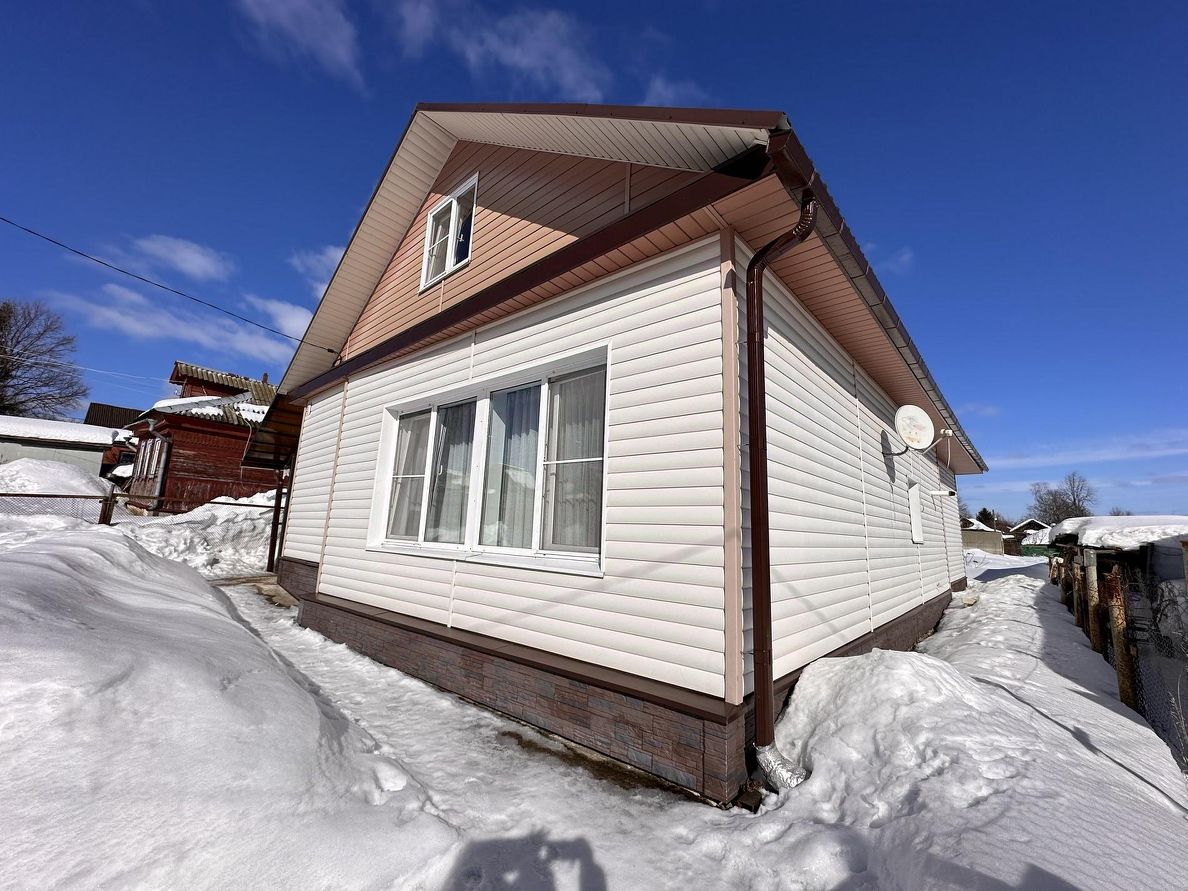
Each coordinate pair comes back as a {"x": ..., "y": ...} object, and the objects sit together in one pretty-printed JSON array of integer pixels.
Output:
[
  {"x": 657, "y": 608},
  {"x": 312, "y": 470},
  {"x": 843, "y": 560}
]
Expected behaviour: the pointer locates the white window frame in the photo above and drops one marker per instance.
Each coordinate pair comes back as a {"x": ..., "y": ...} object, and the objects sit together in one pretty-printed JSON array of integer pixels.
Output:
[
  {"x": 450, "y": 201},
  {"x": 471, "y": 549}
]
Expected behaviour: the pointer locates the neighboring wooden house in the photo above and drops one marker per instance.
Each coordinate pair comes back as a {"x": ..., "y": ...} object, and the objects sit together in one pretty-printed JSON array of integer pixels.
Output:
[
  {"x": 524, "y": 450},
  {"x": 101, "y": 414},
  {"x": 1031, "y": 524},
  {"x": 190, "y": 447}
]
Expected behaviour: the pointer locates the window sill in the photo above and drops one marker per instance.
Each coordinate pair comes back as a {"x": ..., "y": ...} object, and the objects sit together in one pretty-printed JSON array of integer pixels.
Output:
[
  {"x": 441, "y": 278},
  {"x": 590, "y": 567}
]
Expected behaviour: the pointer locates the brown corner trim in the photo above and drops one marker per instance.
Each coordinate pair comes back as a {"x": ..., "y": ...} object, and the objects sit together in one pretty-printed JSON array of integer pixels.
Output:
[{"x": 728, "y": 178}]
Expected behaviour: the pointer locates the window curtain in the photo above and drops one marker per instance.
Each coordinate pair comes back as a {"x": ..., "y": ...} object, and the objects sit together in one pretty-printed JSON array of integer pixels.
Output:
[
  {"x": 573, "y": 486},
  {"x": 408, "y": 482},
  {"x": 449, "y": 488},
  {"x": 510, "y": 487}
]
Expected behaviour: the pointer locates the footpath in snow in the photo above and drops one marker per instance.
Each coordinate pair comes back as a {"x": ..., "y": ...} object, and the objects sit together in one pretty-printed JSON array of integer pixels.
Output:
[{"x": 156, "y": 731}]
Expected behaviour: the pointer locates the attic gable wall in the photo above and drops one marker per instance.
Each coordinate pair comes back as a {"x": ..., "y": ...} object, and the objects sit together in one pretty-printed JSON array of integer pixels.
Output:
[{"x": 530, "y": 204}]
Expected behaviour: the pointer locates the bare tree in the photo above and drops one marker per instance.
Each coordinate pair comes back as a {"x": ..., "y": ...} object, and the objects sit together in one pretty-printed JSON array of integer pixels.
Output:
[
  {"x": 37, "y": 377},
  {"x": 1073, "y": 497},
  {"x": 963, "y": 508},
  {"x": 1120, "y": 512}
]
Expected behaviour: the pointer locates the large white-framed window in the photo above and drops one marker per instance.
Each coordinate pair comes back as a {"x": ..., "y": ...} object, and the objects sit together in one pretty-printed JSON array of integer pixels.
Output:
[
  {"x": 510, "y": 471},
  {"x": 448, "y": 233}
]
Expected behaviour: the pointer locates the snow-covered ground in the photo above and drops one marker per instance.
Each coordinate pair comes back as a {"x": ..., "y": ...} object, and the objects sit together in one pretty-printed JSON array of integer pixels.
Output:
[
  {"x": 39, "y": 476},
  {"x": 157, "y": 732}
]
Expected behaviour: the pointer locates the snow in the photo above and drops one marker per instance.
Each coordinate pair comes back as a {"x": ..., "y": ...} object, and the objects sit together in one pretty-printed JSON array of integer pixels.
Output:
[
  {"x": 1126, "y": 533},
  {"x": 38, "y": 476},
  {"x": 977, "y": 525},
  {"x": 151, "y": 740},
  {"x": 183, "y": 402},
  {"x": 1038, "y": 537},
  {"x": 55, "y": 431},
  {"x": 122, "y": 472},
  {"x": 223, "y": 539},
  {"x": 154, "y": 740}
]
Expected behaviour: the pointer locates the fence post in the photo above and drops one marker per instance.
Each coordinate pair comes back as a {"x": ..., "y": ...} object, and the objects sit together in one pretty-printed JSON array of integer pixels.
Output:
[
  {"x": 106, "y": 509},
  {"x": 276, "y": 515},
  {"x": 1094, "y": 617},
  {"x": 1066, "y": 581},
  {"x": 1123, "y": 660},
  {"x": 1078, "y": 590}
]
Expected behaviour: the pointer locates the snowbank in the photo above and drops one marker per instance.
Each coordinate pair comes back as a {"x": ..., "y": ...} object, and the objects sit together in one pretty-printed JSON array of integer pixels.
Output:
[
  {"x": 150, "y": 740},
  {"x": 223, "y": 539},
  {"x": 55, "y": 431},
  {"x": 35, "y": 475},
  {"x": 1127, "y": 533}
]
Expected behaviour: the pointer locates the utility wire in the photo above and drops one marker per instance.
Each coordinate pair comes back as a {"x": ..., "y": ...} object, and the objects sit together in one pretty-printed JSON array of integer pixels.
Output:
[{"x": 156, "y": 284}]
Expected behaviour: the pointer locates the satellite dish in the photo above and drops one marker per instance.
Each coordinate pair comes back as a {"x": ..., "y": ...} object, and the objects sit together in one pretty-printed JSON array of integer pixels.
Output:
[{"x": 914, "y": 427}]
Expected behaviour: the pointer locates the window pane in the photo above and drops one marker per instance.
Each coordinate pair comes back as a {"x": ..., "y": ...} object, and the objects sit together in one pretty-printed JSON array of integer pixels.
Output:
[
  {"x": 510, "y": 487},
  {"x": 573, "y": 506},
  {"x": 439, "y": 239},
  {"x": 404, "y": 518},
  {"x": 577, "y": 404},
  {"x": 404, "y": 513},
  {"x": 465, "y": 224},
  {"x": 450, "y": 485},
  {"x": 411, "y": 436}
]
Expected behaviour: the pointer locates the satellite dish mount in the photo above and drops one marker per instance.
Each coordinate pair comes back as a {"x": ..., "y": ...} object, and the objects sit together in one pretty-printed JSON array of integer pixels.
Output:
[{"x": 915, "y": 428}]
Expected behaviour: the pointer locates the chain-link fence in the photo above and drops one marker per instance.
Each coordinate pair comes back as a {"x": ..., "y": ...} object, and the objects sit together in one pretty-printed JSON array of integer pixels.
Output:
[{"x": 1157, "y": 628}]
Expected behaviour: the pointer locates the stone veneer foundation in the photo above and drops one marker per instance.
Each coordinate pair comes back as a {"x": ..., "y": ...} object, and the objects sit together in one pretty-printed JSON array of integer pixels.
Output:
[{"x": 695, "y": 741}]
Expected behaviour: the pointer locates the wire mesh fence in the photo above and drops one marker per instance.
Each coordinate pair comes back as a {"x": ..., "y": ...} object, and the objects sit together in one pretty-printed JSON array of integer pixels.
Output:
[
  {"x": 112, "y": 509},
  {"x": 1158, "y": 631}
]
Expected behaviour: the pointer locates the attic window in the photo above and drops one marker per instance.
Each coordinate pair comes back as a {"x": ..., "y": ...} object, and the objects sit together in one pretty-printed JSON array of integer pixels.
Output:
[{"x": 448, "y": 234}]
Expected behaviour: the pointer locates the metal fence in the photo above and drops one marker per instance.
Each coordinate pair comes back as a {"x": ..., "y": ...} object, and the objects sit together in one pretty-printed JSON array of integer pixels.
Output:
[{"x": 1156, "y": 631}]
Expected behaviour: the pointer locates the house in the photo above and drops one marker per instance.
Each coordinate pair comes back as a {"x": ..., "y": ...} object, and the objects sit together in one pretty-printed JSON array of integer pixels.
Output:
[
  {"x": 523, "y": 450},
  {"x": 121, "y": 452},
  {"x": 1026, "y": 527},
  {"x": 189, "y": 447},
  {"x": 83, "y": 445}
]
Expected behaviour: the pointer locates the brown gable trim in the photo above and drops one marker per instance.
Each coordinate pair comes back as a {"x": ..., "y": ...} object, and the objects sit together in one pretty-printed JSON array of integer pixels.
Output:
[
  {"x": 756, "y": 119},
  {"x": 727, "y": 179}
]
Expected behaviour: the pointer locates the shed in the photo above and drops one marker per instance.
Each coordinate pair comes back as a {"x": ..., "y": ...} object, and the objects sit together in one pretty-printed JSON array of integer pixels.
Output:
[
  {"x": 528, "y": 431},
  {"x": 82, "y": 445}
]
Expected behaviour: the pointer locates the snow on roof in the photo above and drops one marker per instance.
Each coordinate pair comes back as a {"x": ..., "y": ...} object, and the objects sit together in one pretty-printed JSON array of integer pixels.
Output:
[
  {"x": 1126, "y": 533},
  {"x": 980, "y": 527},
  {"x": 239, "y": 409},
  {"x": 1030, "y": 520},
  {"x": 1038, "y": 537},
  {"x": 55, "y": 431}
]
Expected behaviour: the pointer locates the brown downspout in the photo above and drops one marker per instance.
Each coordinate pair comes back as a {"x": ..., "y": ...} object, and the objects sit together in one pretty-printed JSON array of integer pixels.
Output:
[{"x": 778, "y": 770}]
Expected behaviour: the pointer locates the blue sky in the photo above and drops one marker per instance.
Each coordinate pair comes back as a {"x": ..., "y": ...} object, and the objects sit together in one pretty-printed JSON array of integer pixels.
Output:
[{"x": 1017, "y": 173}]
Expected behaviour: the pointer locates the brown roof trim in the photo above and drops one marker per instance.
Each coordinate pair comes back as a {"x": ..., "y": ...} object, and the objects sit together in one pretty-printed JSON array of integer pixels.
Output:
[
  {"x": 753, "y": 119},
  {"x": 839, "y": 239},
  {"x": 706, "y": 189}
]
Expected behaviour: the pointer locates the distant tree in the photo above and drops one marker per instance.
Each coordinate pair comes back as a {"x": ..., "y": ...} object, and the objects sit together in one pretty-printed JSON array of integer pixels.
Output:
[
  {"x": 1072, "y": 497},
  {"x": 962, "y": 507},
  {"x": 1119, "y": 512},
  {"x": 986, "y": 517},
  {"x": 37, "y": 376}
]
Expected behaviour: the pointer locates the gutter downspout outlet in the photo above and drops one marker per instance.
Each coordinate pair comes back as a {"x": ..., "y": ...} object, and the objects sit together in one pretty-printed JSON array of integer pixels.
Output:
[{"x": 778, "y": 770}]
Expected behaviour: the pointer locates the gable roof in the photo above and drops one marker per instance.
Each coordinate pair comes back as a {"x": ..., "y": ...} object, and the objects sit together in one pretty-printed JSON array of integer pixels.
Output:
[
  {"x": 261, "y": 391},
  {"x": 1023, "y": 523},
  {"x": 709, "y": 141},
  {"x": 101, "y": 414}
]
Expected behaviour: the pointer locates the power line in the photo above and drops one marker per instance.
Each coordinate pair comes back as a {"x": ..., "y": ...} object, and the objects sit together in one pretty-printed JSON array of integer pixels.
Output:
[{"x": 156, "y": 284}]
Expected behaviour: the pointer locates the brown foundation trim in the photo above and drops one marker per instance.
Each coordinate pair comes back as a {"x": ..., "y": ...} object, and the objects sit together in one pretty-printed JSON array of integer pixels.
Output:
[{"x": 690, "y": 739}]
